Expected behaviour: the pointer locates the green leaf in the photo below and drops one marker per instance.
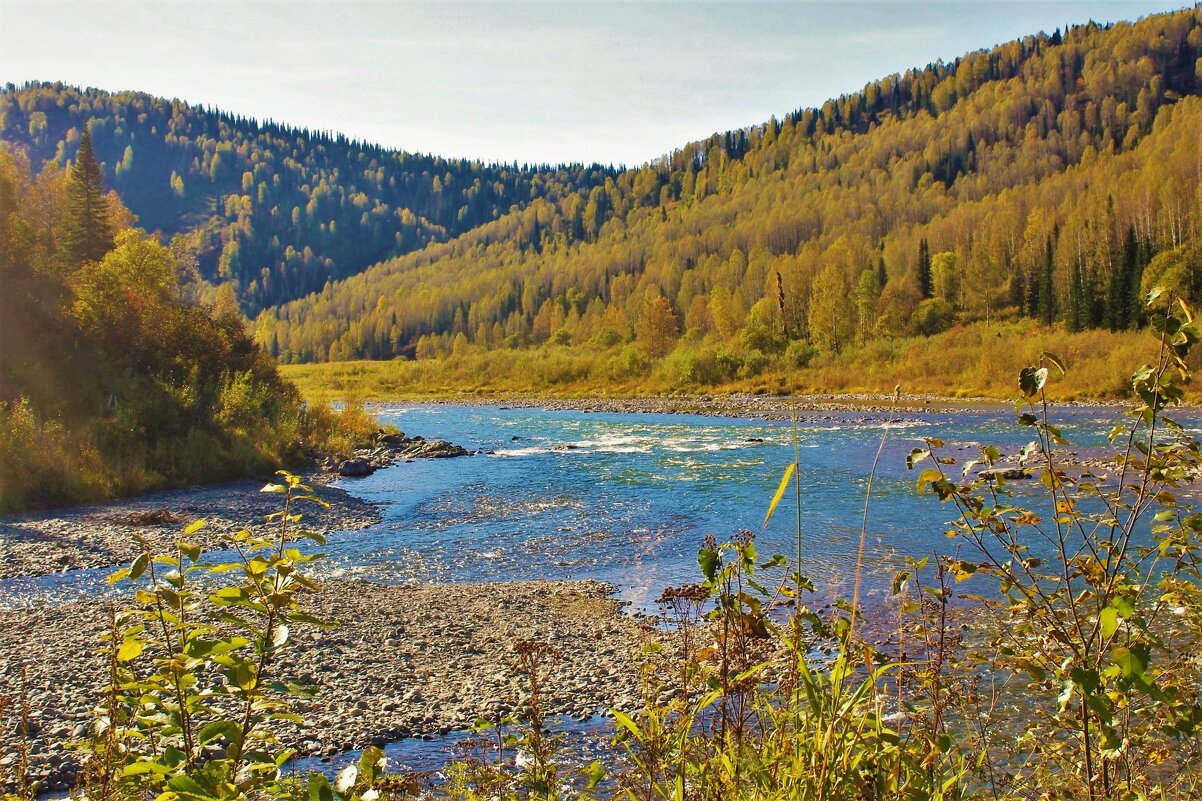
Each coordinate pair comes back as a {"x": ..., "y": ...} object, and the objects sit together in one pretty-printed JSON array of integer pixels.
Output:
[
  {"x": 228, "y": 729},
  {"x": 130, "y": 650},
  {"x": 242, "y": 673},
  {"x": 141, "y": 768},
  {"x": 707, "y": 560},
  {"x": 1132, "y": 661},
  {"x": 1109, "y": 621},
  {"x": 1031, "y": 380},
  {"x": 193, "y": 527},
  {"x": 780, "y": 492},
  {"x": 594, "y": 773},
  {"x": 626, "y": 722},
  {"x": 188, "y": 788},
  {"x": 319, "y": 788},
  {"x": 138, "y": 567},
  {"x": 1124, "y": 605}
]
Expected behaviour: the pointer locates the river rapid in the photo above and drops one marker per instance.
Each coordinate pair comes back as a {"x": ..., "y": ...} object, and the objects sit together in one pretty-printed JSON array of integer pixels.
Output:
[{"x": 628, "y": 498}]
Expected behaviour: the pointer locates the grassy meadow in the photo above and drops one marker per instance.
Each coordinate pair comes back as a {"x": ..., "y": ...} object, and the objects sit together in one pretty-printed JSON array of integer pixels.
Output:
[{"x": 977, "y": 360}]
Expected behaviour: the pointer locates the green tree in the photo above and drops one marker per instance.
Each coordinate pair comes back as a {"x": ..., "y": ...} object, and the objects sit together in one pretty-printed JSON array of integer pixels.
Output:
[
  {"x": 945, "y": 278},
  {"x": 926, "y": 283},
  {"x": 932, "y": 316},
  {"x": 1047, "y": 298},
  {"x": 868, "y": 289},
  {"x": 89, "y": 234}
]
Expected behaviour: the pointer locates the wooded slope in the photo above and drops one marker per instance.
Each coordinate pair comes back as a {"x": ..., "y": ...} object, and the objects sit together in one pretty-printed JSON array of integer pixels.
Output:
[{"x": 1052, "y": 177}]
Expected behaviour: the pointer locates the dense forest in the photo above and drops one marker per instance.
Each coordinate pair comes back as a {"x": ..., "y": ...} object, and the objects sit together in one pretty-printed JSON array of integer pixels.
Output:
[
  {"x": 276, "y": 211},
  {"x": 1051, "y": 178},
  {"x": 113, "y": 380}
]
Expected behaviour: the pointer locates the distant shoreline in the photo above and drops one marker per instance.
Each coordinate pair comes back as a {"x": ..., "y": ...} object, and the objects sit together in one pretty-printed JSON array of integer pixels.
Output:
[{"x": 747, "y": 406}]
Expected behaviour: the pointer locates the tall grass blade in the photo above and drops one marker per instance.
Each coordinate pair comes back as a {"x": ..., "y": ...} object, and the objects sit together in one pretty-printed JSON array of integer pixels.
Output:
[{"x": 780, "y": 492}]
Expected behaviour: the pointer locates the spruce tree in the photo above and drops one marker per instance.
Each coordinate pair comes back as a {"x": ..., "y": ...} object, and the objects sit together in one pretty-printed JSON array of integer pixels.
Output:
[
  {"x": 926, "y": 282},
  {"x": 89, "y": 235},
  {"x": 1047, "y": 297}
]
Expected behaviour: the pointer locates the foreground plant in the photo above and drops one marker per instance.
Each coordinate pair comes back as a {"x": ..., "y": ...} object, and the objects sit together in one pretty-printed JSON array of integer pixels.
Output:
[
  {"x": 1097, "y": 609},
  {"x": 198, "y": 688},
  {"x": 756, "y": 715}
]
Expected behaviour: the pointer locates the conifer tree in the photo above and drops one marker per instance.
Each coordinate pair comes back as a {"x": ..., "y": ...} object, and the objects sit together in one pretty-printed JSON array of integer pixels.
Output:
[
  {"x": 925, "y": 280},
  {"x": 1047, "y": 299},
  {"x": 89, "y": 235}
]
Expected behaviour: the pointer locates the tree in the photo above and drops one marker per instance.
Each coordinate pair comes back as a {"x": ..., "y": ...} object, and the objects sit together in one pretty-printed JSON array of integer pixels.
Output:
[
  {"x": 945, "y": 277},
  {"x": 89, "y": 234},
  {"x": 868, "y": 289},
  {"x": 926, "y": 283},
  {"x": 1047, "y": 300},
  {"x": 657, "y": 328},
  {"x": 932, "y": 316},
  {"x": 830, "y": 318}
]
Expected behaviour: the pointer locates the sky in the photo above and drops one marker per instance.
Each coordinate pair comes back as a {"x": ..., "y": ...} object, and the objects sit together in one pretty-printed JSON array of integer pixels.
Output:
[{"x": 615, "y": 82}]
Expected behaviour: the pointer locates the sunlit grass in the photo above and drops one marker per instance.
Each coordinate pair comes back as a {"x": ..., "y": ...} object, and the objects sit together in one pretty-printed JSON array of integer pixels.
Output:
[{"x": 976, "y": 360}]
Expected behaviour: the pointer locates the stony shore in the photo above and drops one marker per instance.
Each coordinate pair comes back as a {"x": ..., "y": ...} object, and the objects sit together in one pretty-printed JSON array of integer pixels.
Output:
[
  {"x": 406, "y": 661},
  {"x": 756, "y": 407},
  {"x": 41, "y": 543}
]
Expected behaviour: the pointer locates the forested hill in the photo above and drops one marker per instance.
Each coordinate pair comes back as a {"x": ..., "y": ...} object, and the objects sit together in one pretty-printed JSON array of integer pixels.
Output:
[
  {"x": 277, "y": 210},
  {"x": 1051, "y": 177}
]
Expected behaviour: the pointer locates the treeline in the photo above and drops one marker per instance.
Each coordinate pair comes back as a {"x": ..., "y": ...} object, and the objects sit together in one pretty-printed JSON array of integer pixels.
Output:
[
  {"x": 274, "y": 210},
  {"x": 112, "y": 380},
  {"x": 1052, "y": 178}
]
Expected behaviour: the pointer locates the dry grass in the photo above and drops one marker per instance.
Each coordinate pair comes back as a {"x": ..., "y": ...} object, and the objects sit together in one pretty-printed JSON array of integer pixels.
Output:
[{"x": 975, "y": 360}]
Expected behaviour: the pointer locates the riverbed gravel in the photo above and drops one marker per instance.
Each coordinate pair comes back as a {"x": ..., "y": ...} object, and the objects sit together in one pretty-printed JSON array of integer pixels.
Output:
[
  {"x": 406, "y": 661},
  {"x": 41, "y": 543}
]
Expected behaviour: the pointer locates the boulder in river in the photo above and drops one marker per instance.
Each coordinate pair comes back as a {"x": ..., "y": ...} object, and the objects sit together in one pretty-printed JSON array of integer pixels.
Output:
[
  {"x": 356, "y": 468},
  {"x": 435, "y": 449},
  {"x": 1007, "y": 473}
]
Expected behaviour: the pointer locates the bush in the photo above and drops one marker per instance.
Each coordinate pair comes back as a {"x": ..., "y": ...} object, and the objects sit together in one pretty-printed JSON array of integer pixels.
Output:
[
  {"x": 687, "y": 366},
  {"x": 933, "y": 316},
  {"x": 799, "y": 354}
]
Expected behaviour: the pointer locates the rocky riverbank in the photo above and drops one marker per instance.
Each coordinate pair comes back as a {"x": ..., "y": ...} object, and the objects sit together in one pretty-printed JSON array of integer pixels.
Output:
[
  {"x": 41, "y": 543},
  {"x": 406, "y": 661},
  {"x": 756, "y": 407}
]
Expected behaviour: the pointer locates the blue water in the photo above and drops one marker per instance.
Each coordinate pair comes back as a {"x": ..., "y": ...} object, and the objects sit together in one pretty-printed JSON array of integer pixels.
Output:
[{"x": 628, "y": 498}]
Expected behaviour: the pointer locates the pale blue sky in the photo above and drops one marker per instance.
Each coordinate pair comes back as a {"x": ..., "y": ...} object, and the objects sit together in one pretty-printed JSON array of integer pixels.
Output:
[{"x": 545, "y": 82}]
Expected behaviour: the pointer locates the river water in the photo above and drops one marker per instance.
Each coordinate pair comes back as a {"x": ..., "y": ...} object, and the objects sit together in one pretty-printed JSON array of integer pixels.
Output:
[{"x": 628, "y": 498}]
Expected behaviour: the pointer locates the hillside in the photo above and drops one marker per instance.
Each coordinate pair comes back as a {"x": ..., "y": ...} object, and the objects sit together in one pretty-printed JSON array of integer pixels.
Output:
[
  {"x": 1052, "y": 178},
  {"x": 112, "y": 382},
  {"x": 277, "y": 210}
]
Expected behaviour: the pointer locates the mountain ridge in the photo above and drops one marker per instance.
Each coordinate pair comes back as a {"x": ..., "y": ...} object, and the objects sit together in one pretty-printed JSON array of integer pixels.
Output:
[
  {"x": 994, "y": 186},
  {"x": 734, "y": 246}
]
